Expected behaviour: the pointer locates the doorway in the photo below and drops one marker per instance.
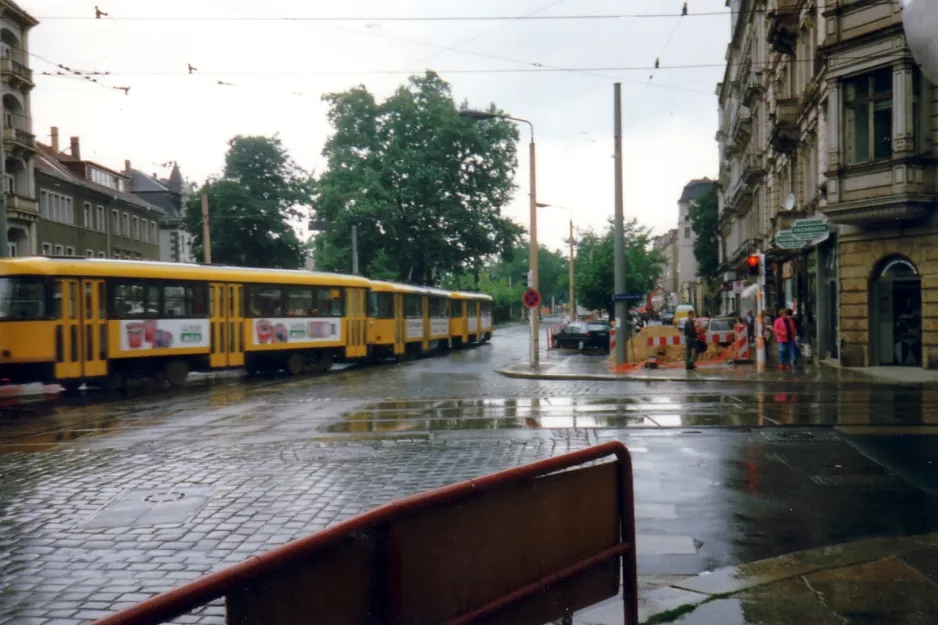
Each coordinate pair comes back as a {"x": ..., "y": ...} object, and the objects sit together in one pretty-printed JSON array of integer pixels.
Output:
[{"x": 896, "y": 326}]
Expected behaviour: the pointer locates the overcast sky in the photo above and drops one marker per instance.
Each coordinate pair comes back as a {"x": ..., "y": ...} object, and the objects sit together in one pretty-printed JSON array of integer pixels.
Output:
[{"x": 279, "y": 69}]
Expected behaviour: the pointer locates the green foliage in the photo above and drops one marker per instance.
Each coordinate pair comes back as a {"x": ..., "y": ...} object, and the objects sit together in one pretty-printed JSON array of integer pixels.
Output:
[
  {"x": 424, "y": 186},
  {"x": 704, "y": 216},
  {"x": 595, "y": 268},
  {"x": 250, "y": 205}
]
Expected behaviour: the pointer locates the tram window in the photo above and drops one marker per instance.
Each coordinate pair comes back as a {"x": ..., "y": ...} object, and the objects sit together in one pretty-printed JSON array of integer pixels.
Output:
[
  {"x": 300, "y": 302},
  {"x": 381, "y": 305},
  {"x": 134, "y": 300},
  {"x": 184, "y": 300},
  {"x": 265, "y": 301},
  {"x": 22, "y": 298},
  {"x": 413, "y": 308},
  {"x": 329, "y": 302},
  {"x": 439, "y": 307},
  {"x": 457, "y": 309}
]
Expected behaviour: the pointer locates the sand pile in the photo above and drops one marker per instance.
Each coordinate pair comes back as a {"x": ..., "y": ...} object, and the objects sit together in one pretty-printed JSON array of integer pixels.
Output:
[{"x": 637, "y": 349}]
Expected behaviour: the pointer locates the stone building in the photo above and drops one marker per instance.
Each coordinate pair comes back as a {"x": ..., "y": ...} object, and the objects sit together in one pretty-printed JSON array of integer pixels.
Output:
[
  {"x": 826, "y": 120},
  {"x": 691, "y": 289},
  {"x": 19, "y": 143},
  {"x": 667, "y": 292},
  {"x": 171, "y": 195}
]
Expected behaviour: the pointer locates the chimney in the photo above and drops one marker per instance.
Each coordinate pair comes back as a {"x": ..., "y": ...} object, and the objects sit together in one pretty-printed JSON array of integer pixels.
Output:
[
  {"x": 76, "y": 149},
  {"x": 126, "y": 167},
  {"x": 55, "y": 139}
]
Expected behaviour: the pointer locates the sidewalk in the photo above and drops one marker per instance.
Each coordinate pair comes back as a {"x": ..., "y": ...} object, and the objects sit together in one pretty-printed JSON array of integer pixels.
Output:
[
  {"x": 576, "y": 366},
  {"x": 878, "y": 580}
]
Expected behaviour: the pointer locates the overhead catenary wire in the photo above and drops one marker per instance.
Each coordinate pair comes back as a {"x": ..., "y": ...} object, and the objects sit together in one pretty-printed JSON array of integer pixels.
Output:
[{"x": 410, "y": 18}]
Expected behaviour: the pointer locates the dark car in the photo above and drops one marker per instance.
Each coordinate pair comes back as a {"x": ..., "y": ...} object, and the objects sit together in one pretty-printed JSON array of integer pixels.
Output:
[
  {"x": 581, "y": 335},
  {"x": 667, "y": 317}
]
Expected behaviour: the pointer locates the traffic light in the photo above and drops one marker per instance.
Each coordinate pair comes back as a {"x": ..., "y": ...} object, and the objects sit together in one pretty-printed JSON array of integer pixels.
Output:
[
  {"x": 524, "y": 278},
  {"x": 753, "y": 263}
]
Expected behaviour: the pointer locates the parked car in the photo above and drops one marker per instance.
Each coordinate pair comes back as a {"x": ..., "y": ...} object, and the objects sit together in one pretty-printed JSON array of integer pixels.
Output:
[
  {"x": 667, "y": 317},
  {"x": 581, "y": 335},
  {"x": 722, "y": 324}
]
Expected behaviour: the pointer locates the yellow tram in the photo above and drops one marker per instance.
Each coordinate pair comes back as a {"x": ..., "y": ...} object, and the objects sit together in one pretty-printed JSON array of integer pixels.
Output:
[{"x": 98, "y": 321}]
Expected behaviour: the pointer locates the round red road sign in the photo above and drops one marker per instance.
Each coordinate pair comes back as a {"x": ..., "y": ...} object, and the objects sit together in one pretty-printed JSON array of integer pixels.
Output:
[{"x": 531, "y": 298}]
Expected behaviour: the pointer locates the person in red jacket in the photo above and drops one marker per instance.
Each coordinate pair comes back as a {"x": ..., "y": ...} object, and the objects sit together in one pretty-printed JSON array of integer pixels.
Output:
[{"x": 782, "y": 329}]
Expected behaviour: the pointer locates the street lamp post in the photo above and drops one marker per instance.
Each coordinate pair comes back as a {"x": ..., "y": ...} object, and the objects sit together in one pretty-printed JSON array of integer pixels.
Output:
[
  {"x": 572, "y": 294},
  {"x": 532, "y": 257}
]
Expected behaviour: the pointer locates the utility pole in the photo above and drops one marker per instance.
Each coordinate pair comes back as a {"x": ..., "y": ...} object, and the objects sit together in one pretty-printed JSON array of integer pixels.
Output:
[
  {"x": 621, "y": 306},
  {"x": 572, "y": 295},
  {"x": 532, "y": 258},
  {"x": 355, "y": 250},
  {"x": 206, "y": 236}
]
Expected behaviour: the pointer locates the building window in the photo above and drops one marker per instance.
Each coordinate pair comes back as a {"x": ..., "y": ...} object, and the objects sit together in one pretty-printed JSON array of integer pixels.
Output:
[
  {"x": 86, "y": 215},
  {"x": 69, "y": 251},
  {"x": 102, "y": 255},
  {"x": 868, "y": 117},
  {"x": 56, "y": 207},
  {"x": 145, "y": 232},
  {"x": 127, "y": 225},
  {"x": 47, "y": 249},
  {"x": 686, "y": 232},
  {"x": 99, "y": 218},
  {"x": 154, "y": 237},
  {"x": 136, "y": 229},
  {"x": 59, "y": 250},
  {"x": 115, "y": 221},
  {"x": 89, "y": 253}
]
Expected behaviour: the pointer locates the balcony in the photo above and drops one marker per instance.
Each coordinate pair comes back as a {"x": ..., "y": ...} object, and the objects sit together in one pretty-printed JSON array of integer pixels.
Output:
[
  {"x": 783, "y": 26},
  {"x": 753, "y": 167},
  {"x": 15, "y": 139},
  {"x": 752, "y": 88},
  {"x": 17, "y": 73},
  {"x": 785, "y": 133},
  {"x": 22, "y": 207},
  {"x": 742, "y": 126}
]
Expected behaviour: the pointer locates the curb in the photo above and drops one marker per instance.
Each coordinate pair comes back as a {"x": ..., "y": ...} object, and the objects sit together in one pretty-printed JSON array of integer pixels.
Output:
[{"x": 598, "y": 377}]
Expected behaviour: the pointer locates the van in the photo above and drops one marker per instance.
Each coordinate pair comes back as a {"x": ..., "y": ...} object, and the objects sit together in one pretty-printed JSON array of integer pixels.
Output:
[{"x": 680, "y": 314}]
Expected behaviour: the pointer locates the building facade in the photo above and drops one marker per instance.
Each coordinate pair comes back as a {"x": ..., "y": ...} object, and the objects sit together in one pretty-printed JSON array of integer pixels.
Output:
[
  {"x": 171, "y": 195},
  {"x": 19, "y": 144},
  {"x": 87, "y": 210},
  {"x": 824, "y": 118},
  {"x": 691, "y": 289},
  {"x": 667, "y": 293}
]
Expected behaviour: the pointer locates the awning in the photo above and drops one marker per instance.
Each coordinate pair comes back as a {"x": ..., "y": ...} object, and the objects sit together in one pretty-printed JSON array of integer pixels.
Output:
[{"x": 750, "y": 291}]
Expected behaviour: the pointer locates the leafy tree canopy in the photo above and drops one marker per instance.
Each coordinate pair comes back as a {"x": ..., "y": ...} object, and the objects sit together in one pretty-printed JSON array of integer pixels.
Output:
[
  {"x": 594, "y": 266},
  {"x": 704, "y": 216},
  {"x": 250, "y": 204},
  {"x": 424, "y": 186}
]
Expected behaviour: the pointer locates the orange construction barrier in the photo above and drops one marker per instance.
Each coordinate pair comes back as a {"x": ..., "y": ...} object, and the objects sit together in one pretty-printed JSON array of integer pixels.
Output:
[{"x": 528, "y": 545}]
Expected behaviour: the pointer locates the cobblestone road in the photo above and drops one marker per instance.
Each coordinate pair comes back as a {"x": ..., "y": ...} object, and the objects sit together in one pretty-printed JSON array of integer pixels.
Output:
[{"x": 106, "y": 501}]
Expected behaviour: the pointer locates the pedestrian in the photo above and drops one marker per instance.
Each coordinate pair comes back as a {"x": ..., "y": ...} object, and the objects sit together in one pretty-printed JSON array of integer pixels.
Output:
[
  {"x": 690, "y": 341},
  {"x": 794, "y": 332},
  {"x": 782, "y": 333}
]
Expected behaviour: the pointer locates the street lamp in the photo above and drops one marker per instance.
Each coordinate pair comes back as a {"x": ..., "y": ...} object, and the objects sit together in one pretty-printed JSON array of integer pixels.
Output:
[
  {"x": 572, "y": 296},
  {"x": 532, "y": 256}
]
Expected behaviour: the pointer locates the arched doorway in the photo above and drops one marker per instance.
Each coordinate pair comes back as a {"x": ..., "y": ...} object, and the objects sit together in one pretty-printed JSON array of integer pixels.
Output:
[
  {"x": 896, "y": 319},
  {"x": 17, "y": 242}
]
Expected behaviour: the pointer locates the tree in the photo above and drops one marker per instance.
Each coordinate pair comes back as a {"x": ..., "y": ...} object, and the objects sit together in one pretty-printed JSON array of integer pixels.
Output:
[
  {"x": 594, "y": 266},
  {"x": 424, "y": 186},
  {"x": 704, "y": 216},
  {"x": 553, "y": 277},
  {"x": 250, "y": 205}
]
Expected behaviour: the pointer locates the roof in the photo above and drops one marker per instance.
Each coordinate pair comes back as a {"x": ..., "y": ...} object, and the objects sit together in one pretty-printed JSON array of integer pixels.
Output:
[
  {"x": 37, "y": 265},
  {"x": 695, "y": 189},
  {"x": 144, "y": 183},
  {"x": 51, "y": 164},
  {"x": 26, "y": 17}
]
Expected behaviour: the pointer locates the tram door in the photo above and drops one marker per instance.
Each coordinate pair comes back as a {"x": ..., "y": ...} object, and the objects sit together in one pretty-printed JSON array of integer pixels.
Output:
[
  {"x": 226, "y": 318},
  {"x": 80, "y": 329}
]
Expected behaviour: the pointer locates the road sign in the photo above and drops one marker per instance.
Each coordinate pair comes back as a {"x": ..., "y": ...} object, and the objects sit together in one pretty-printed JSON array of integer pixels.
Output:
[
  {"x": 788, "y": 241},
  {"x": 810, "y": 229},
  {"x": 628, "y": 297},
  {"x": 531, "y": 298}
]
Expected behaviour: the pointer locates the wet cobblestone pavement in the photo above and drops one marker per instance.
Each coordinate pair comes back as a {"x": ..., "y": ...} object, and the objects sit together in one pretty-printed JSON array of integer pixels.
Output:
[{"x": 105, "y": 501}]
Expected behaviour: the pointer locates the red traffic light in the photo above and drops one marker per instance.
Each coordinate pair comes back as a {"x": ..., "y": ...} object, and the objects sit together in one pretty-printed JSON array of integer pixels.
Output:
[{"x": 753, "y": 261}]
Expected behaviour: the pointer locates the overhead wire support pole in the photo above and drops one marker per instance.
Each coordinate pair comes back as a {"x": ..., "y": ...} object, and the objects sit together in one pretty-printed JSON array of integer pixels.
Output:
[{"x": 621, "y": 306}]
